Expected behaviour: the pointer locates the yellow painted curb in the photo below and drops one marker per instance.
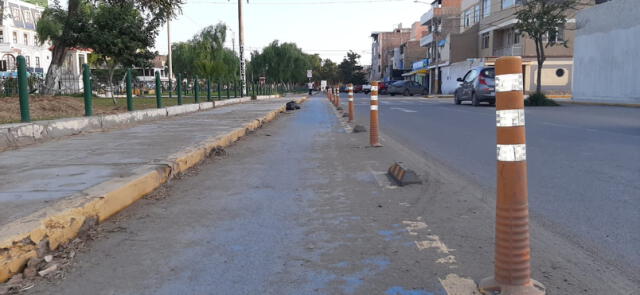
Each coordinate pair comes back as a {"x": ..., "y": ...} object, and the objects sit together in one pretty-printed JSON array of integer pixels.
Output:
[{"x": 62, "y": 221}]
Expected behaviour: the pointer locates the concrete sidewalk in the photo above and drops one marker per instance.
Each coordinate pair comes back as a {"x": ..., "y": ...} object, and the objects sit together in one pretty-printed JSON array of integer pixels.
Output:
[{"x": 49, "y": 191}]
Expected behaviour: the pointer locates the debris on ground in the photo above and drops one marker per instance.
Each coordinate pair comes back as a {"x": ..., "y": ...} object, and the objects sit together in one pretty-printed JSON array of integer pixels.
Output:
[
  {"x": 292, "y": 105},
  {"x": 359, "y": 128}
]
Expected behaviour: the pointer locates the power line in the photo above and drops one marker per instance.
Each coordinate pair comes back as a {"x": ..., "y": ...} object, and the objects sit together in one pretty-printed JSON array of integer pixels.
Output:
[{"x": 324, "y": 2}]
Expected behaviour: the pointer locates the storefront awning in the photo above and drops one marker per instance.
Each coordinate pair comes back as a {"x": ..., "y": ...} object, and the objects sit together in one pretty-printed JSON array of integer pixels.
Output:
[{"x": 416, "y": 72}]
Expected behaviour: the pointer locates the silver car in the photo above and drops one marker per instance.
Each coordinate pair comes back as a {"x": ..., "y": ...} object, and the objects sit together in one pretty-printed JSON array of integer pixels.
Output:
[{"x": 477, "y": 85}]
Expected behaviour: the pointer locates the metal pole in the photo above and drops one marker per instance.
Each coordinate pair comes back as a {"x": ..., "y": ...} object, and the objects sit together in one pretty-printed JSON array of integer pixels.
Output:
[
  {"x": 159, "y": 103},
  {"x": 512, "y": 273},
  {"x": 169, "y": 54},
  {"x": 179, "y": 89},
  {"x": 228, "y": 91},
  {"x": 23, "y": 89},
  {"x": 235, "y": 89},
  {"x": 208, "y": 89},
  {"x": 243, "y": 66},
  {"x": 129, "y": 91},
  {"x": 88, "y": 96},
  {"x": 374, "y": 138},
  {"x": 196, "y": 90},
  {"x": 351, "y": 107},
  {"x": 219, "y": 90}
]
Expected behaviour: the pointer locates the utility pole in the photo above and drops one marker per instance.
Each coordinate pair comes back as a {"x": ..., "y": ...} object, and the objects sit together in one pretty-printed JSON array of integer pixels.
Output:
[
  {"x": 169, "y": 53},
  {"x": 243, "y": 74}
]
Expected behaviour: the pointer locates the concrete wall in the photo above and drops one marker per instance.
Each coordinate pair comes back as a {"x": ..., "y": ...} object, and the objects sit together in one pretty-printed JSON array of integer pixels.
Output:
[
  {"x": 451, "y": 73},
  {"x": 605, "y": 56}
]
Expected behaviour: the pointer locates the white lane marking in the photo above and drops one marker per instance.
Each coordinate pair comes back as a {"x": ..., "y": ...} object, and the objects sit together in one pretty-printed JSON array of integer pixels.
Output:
[
  {"x": 512, "y": 152},
  {"x": 510, "y": 118},
  {"x": 433, "y": 242},
  {"x": 509, "y": 82},
  {"x": 413, "y": 226},
  {"x": 447, "y": 260},
  {"x": 456, "y": 285},
  {"x": 404, "y": 110}
]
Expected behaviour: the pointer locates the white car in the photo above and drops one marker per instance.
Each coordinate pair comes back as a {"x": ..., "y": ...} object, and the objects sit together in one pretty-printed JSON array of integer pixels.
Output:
[{"x": 366, "y": 88}]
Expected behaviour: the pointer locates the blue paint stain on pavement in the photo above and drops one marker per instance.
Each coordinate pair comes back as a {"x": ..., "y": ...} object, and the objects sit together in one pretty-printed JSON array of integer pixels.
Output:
[
  {"x": 397, "y": 290},
  {"x": 388, "y": 234},
  {"x": 382, "y": 262}
]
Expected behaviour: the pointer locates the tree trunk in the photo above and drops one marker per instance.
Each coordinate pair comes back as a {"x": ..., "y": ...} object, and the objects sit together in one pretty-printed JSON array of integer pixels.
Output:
[
  {"x": 541, "y": 59},
  {"x": 111, "y": 71},
  {"x": 55, "y": 70}
]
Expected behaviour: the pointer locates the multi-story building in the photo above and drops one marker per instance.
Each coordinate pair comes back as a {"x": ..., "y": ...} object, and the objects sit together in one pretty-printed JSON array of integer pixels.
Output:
[
  {"x": 18, "y": 36},
  {"x": 498, "y": 37},
  {"x": 382, "y": 49},
  {"x": 442, "y": 21}
]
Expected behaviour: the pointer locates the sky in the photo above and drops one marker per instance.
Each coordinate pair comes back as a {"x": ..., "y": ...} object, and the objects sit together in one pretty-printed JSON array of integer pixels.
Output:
[{"x": 327, "y": 27}]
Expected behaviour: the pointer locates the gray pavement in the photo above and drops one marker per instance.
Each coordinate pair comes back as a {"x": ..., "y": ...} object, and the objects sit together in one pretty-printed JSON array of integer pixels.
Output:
[
  {"x": 584, "y": 163},
  {"x": 303, "y": 207},
  {"x": 36, "y": 176}
]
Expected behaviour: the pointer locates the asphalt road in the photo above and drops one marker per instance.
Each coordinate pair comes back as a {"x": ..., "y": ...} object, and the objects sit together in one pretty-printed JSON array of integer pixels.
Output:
[{"x": 584, "y": 163}]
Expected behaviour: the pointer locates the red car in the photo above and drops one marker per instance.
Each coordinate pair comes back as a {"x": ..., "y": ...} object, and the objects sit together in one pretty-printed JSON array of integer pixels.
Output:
[{"x": 357, "y": 89}]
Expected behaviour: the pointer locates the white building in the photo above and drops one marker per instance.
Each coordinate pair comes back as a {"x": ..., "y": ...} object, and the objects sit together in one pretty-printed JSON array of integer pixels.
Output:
[{"x": 18, "y": 37}]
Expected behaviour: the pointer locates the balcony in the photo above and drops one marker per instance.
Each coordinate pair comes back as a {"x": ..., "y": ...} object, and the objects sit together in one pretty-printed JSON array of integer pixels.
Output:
[
  {"x": 508, "y": 51},
  {"x": 426, "y": 40},
  {"x": 438, "y": 12}
]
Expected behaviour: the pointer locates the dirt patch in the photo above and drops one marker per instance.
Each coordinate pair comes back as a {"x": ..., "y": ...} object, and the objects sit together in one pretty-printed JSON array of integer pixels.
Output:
[{"x": 51, "y": 107}]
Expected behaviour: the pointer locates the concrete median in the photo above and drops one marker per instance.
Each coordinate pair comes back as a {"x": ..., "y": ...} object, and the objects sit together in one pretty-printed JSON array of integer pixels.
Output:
[{"x": 35, "y": 223}]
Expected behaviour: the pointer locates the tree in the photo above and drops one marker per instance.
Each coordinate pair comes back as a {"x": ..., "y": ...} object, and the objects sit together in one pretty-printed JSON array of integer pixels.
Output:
[
  {"x": 205, "y": 55},
  {"x": 328, "y": 71},
  {"x": 542, "y": 21},
  {"x": 70, "y": 27},
  {"x": 281, "y": 62},
  {"x": 125, "y": 42},
  {"x": 350, "y": 71}
]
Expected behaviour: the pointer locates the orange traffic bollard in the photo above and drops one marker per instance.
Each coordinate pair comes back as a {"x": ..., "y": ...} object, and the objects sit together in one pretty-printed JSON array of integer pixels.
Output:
[
  {"x": 373, "y": 128},
  {"x": 512, "y": 250},
  {"x": 337, "y": 98},
  {"x": 351, "y": 107}
]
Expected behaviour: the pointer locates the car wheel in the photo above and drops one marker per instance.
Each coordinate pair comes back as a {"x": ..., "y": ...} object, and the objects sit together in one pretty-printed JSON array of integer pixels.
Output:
[
  {"x": 474, "y": 100},
  {"x": 455, "y": 99},
  {"x": 406, "y": 92}
]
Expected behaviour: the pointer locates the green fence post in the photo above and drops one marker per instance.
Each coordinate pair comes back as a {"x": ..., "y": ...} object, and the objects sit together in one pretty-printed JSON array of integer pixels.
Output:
[
  {"x": 23, "y": 89},
  {"x": 129, "y": 92},
  {"x": 170, "y": 88},
  {"x": 228, "y": 91},
  {"x": 219, "y": 90},
  {"x": 159, "y": 103},
  {"x": 208, "y": 89},
  {"x": 88, "y": 96},
  {"x": 179, "y": 89},
  {"x": 196, "y": 90},
  {"x": 235, "y": 90}
]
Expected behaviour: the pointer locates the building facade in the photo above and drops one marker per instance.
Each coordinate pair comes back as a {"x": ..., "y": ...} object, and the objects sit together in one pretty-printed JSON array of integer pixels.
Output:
[
  {"x": 382, "y": 49},
  {"x": 18, "y": 37},
  {"x": 606, "y": 41}
]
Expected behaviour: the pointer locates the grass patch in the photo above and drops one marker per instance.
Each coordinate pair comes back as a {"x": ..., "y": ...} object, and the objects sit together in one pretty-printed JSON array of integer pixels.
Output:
[{"x": 540, "y": 100}]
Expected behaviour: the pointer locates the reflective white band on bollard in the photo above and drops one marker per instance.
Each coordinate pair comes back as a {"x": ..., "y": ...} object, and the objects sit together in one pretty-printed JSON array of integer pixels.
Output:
[
  {"x": 512, "y": 152},
  {"x": 350, "y": 98},
  {"x": 510, "y": 118},
  {"x": 374, "y": 88},
  {"x": 374, "y": 108},
  {"x": 509, "y": 82},
  {"x": 374, "y": 97}
]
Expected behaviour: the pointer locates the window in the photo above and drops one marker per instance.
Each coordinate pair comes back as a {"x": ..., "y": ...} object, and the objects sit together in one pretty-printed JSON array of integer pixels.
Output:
[
  {"x": 15, "y": 37},
  {"x": 28, "y": 60},
  {"x": 1, "y": 37},
  {"x": 467, "y": 17},
  {"x": 37, "y": 62},
  {"x": 510, "y": 3},
  {"x": 471, "y": 75},
  {"x": 556, "y": 36},
  {"x": 476, "y": 14},
  {"x": 486, "y": 8},
  {"x": 516, "y": 37},
  {"x": 485, "y": 40},
  {"x": 35, "y": 39},
  {"x": 26, "y": 39}
]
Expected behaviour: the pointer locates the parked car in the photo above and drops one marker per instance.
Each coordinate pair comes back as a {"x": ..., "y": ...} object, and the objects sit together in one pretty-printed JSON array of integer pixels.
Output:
[
  {"x": 366, "y": 88},
  {"x": 477, "y": 86},
  {"x": 406, "y": 88},
  {"x": 383, "y": 87},
  {"x": 357, "y": 88}
]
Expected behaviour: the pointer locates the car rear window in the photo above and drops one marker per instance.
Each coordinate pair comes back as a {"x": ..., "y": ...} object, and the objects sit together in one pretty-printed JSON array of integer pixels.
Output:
[
  {"x": 398, "y": 83},
  {"x": 489, "y": 72}
]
